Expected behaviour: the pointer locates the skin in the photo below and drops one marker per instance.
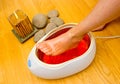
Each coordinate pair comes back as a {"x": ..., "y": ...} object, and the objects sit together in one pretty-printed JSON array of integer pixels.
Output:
[{"x": 105, "y": 10}]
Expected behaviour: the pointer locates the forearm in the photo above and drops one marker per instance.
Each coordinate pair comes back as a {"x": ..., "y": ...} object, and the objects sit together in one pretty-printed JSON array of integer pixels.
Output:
[{"x": 104, "y": 12}]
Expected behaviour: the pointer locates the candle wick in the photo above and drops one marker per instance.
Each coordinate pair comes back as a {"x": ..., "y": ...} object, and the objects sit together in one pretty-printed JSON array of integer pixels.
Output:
[{"x": 16, "y": 16}]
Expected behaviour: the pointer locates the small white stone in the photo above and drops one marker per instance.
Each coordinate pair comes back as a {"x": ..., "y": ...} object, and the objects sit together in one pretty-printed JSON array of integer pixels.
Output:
[
  {"x": 40, "y": 20},
  {"x": 50, "y": 26},
  {"x": 53, "y": 13},
  {"x": 39, "y": 35},
  {"x": 58, "y": 21}
]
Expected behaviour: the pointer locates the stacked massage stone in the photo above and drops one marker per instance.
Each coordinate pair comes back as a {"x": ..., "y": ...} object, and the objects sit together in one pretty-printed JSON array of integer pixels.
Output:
[{"x": 45, "y": 23}]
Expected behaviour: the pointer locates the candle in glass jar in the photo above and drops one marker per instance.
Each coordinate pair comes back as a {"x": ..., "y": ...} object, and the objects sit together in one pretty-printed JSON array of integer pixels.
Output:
[{"x": 20, "y": 23}]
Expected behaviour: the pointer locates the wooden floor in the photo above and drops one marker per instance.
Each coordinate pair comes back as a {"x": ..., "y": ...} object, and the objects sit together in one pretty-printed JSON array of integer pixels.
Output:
[{"x": 105, "y": 69}]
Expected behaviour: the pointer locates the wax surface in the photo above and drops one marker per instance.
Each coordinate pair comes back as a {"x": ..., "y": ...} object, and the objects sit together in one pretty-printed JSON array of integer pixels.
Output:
[{"x": 68, "y": 55}]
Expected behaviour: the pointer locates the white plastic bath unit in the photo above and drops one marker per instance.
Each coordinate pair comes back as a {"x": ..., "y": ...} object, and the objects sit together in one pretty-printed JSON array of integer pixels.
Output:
[{"x": 55, "y": 71}]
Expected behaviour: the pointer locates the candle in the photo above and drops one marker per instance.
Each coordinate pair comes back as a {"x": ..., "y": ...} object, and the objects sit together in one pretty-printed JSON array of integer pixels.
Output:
[{"x": 20, "y": 23}]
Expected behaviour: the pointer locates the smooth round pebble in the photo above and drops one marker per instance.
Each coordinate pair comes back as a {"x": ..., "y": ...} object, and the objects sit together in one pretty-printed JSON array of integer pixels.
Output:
[
  {"x": 40, "y": 20},
  {"x": 53, "y": 13},
  {"x": 50, "y": 26},
  {"x": 58, "y": 21},
  {"x": 39, "y": 35}
]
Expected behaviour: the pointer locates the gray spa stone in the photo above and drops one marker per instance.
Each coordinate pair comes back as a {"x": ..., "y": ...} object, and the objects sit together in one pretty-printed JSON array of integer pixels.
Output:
[
  {"x": 58, "y": 21},
  {"x": 50, "y": 26},
  {"x": 53, "y": 13},
  {"x": 40, "y": 20},
  {"x": 39, "y": 35}
]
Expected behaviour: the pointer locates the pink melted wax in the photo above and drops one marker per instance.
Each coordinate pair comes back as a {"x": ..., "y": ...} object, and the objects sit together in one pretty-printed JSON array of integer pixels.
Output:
[{"x": 68, "y": 55}]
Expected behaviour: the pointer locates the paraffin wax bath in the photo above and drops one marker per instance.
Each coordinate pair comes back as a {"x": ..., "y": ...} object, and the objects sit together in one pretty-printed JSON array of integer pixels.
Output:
[{"x": 68, "y": 55}]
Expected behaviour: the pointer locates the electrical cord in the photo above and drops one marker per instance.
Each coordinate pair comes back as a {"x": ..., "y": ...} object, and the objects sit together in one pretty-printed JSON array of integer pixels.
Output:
[{"x": 107, "y": 37}]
